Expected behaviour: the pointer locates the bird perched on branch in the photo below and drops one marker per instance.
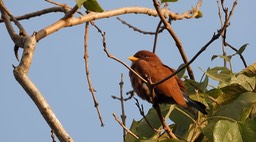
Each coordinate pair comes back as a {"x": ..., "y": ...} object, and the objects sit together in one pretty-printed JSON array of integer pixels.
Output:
[{"x": 151, "y": 68}]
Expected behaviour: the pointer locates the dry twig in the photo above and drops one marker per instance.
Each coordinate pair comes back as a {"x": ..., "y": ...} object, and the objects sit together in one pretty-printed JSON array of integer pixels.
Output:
[
  {"x": 96, "y": 104},
  {"x": 174, "y": 36},
  {"x": 127, "y": 130},
  {"x": 141, "y": 109}
]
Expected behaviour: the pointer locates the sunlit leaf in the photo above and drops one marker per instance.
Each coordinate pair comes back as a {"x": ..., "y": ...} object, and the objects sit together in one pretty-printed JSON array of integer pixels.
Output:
[
  {"x": 142, "y": 129},
  {"x": 250, "y": 70},
  {"x": 80, "y": 2},
  {"x": 246, "y": 82},
  {"x": 92, "y": 5},
  {"x": 222, "y": 74},
  {"x": 238, "y": 109},
  {"x": 226, "y": 131}
]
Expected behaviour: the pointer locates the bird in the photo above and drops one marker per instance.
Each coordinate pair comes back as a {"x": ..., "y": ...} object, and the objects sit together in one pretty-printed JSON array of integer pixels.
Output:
[{"x": 173, "y": 91}]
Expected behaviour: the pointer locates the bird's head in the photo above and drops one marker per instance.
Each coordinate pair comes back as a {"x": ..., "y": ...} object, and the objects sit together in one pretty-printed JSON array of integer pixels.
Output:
[{"x": 145, "y": 55}]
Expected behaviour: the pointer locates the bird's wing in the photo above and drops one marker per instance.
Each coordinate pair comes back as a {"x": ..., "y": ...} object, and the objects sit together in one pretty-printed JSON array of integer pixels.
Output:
[{"x": 179, "y": 81}]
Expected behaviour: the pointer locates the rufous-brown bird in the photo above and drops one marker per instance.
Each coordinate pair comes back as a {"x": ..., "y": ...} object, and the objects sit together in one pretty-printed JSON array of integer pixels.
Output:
[{"x": 151, "y": 68}]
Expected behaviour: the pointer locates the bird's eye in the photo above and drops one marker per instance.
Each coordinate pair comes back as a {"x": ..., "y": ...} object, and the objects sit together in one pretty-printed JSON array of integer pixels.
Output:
[{"x": 145, "y": 56}]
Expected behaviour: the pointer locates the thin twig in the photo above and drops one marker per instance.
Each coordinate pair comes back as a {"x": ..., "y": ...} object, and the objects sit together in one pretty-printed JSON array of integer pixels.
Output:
[
  {"x": 156, "y": 35},
  {"x": 175, "y": 37},
  {"x": 224, "y": 33},
  {"x": 17, "y": 23},
  {"x": 141, "y": 109},
  {"x": 241, "y": 56},
  {"x": 127, "y": 130},
  {"x": 38, "y": 13},
  {"x": 137, "y": 29},
  {"x": 52, "y": 136},
  {"x": 64, "y": 6},
  {"x": 165, "y": 125},
  {"x": 214, "y": 37},
  {"x": 123, "y": 116},
  {"x": 96, "y": 104},
  {"x": 103, "y": 34}
]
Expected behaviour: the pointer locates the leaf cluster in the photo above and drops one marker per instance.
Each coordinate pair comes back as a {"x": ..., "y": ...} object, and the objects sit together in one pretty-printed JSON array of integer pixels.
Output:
[{"x": 230, "y": 105}]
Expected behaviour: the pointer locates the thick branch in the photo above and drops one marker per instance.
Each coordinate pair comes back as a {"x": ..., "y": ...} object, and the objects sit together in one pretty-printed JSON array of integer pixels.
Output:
[
  {"x": 20, "y": 73},
  {"x": 67, "y": 22}
]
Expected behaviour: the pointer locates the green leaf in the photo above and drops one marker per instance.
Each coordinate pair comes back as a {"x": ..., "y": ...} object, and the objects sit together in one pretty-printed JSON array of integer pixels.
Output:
[
  {"x": 182, "y": 72},
  {"x": 226, "y": 58},
  {"x": 248, "y": 130},
  {"x": 250, "y": 70},
  {"x": 80, "y": 2},
  {"x": 222, "y": 74},
  {"x": 142, "y": 129},
  {"x": 226, "y": 131},
  {"x": 240, "y": 108},
  {"x": 213, "y": 57},
  {"x": 242, "y": 48},
  {"x": 182, "y": 124},
  {"x": 246, "y": 82},
  {"x": 191, "y": 85},
  {"x": 92, "y": 5},
  {"x": 168, "y": 1}
]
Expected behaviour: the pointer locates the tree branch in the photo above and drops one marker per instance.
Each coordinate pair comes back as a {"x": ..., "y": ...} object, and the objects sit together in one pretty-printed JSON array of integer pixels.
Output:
[
  {"x": 174, "y": 36},
  {"x": 20, "y": 73},
  {"x": 86, "y": 58},
  {"x": 72, "y": 21},
  {"x": 127, "y": 130}
]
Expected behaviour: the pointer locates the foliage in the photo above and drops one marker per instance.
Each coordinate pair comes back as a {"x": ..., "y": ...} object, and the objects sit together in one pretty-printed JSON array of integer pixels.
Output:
[
  {"x": 91, "y": 5},
  {"x": 231, "y": 111}
]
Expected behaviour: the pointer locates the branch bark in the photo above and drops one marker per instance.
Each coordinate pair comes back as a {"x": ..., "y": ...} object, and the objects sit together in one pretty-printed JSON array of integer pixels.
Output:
[{"x": 20, "y": 73}]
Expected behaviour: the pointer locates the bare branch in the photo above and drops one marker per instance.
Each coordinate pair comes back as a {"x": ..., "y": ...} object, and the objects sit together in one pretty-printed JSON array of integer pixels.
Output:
[
  {"x": 123, "y": 116},
  {"x": 52, "y": 136},
  {"x": 18, "y": 40},
  {"x": 17, "y": 23},
  {"x": 20, "y": 73},
  {"x": 165, "y": 125},
  {"x": 127, "y": 130},
  {"x": 174, "y": 36},
  {"x": 38, "y": 13},
  {"x": 137, "y": 29},
  {"x": 86, "y": 56},
  {"x": 141, "y": 110},
  {"x": 113, "y": 57},
  {"x": 214, "y": 37},
  {"x": 156, "y": 35},
  {"x": 67, "y": 22}
]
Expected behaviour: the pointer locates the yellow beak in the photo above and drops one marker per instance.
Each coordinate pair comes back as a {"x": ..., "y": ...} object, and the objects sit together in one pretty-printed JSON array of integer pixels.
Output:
[{"x": 133, "y": 59}]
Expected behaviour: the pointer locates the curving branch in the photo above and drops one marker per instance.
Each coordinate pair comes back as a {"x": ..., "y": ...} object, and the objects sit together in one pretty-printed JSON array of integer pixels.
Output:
[
  {"x": 72, "y": 21},
  {"x": 173, "y": 34},
  {"x": 86, "y": 58},
  {"x": 20, "y": 73}
]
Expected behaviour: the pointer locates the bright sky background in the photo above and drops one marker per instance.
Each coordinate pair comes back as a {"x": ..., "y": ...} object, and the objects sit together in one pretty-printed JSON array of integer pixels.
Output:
[{"x": 58, "y": 67}]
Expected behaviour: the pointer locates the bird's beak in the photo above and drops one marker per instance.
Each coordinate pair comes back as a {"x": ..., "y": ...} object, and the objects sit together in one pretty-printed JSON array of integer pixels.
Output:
[{"x": 133, "y": 59}]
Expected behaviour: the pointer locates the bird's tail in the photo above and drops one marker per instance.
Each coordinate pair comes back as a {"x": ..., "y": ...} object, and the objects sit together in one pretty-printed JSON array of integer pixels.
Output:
[{"x": 195, "y": 104}]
